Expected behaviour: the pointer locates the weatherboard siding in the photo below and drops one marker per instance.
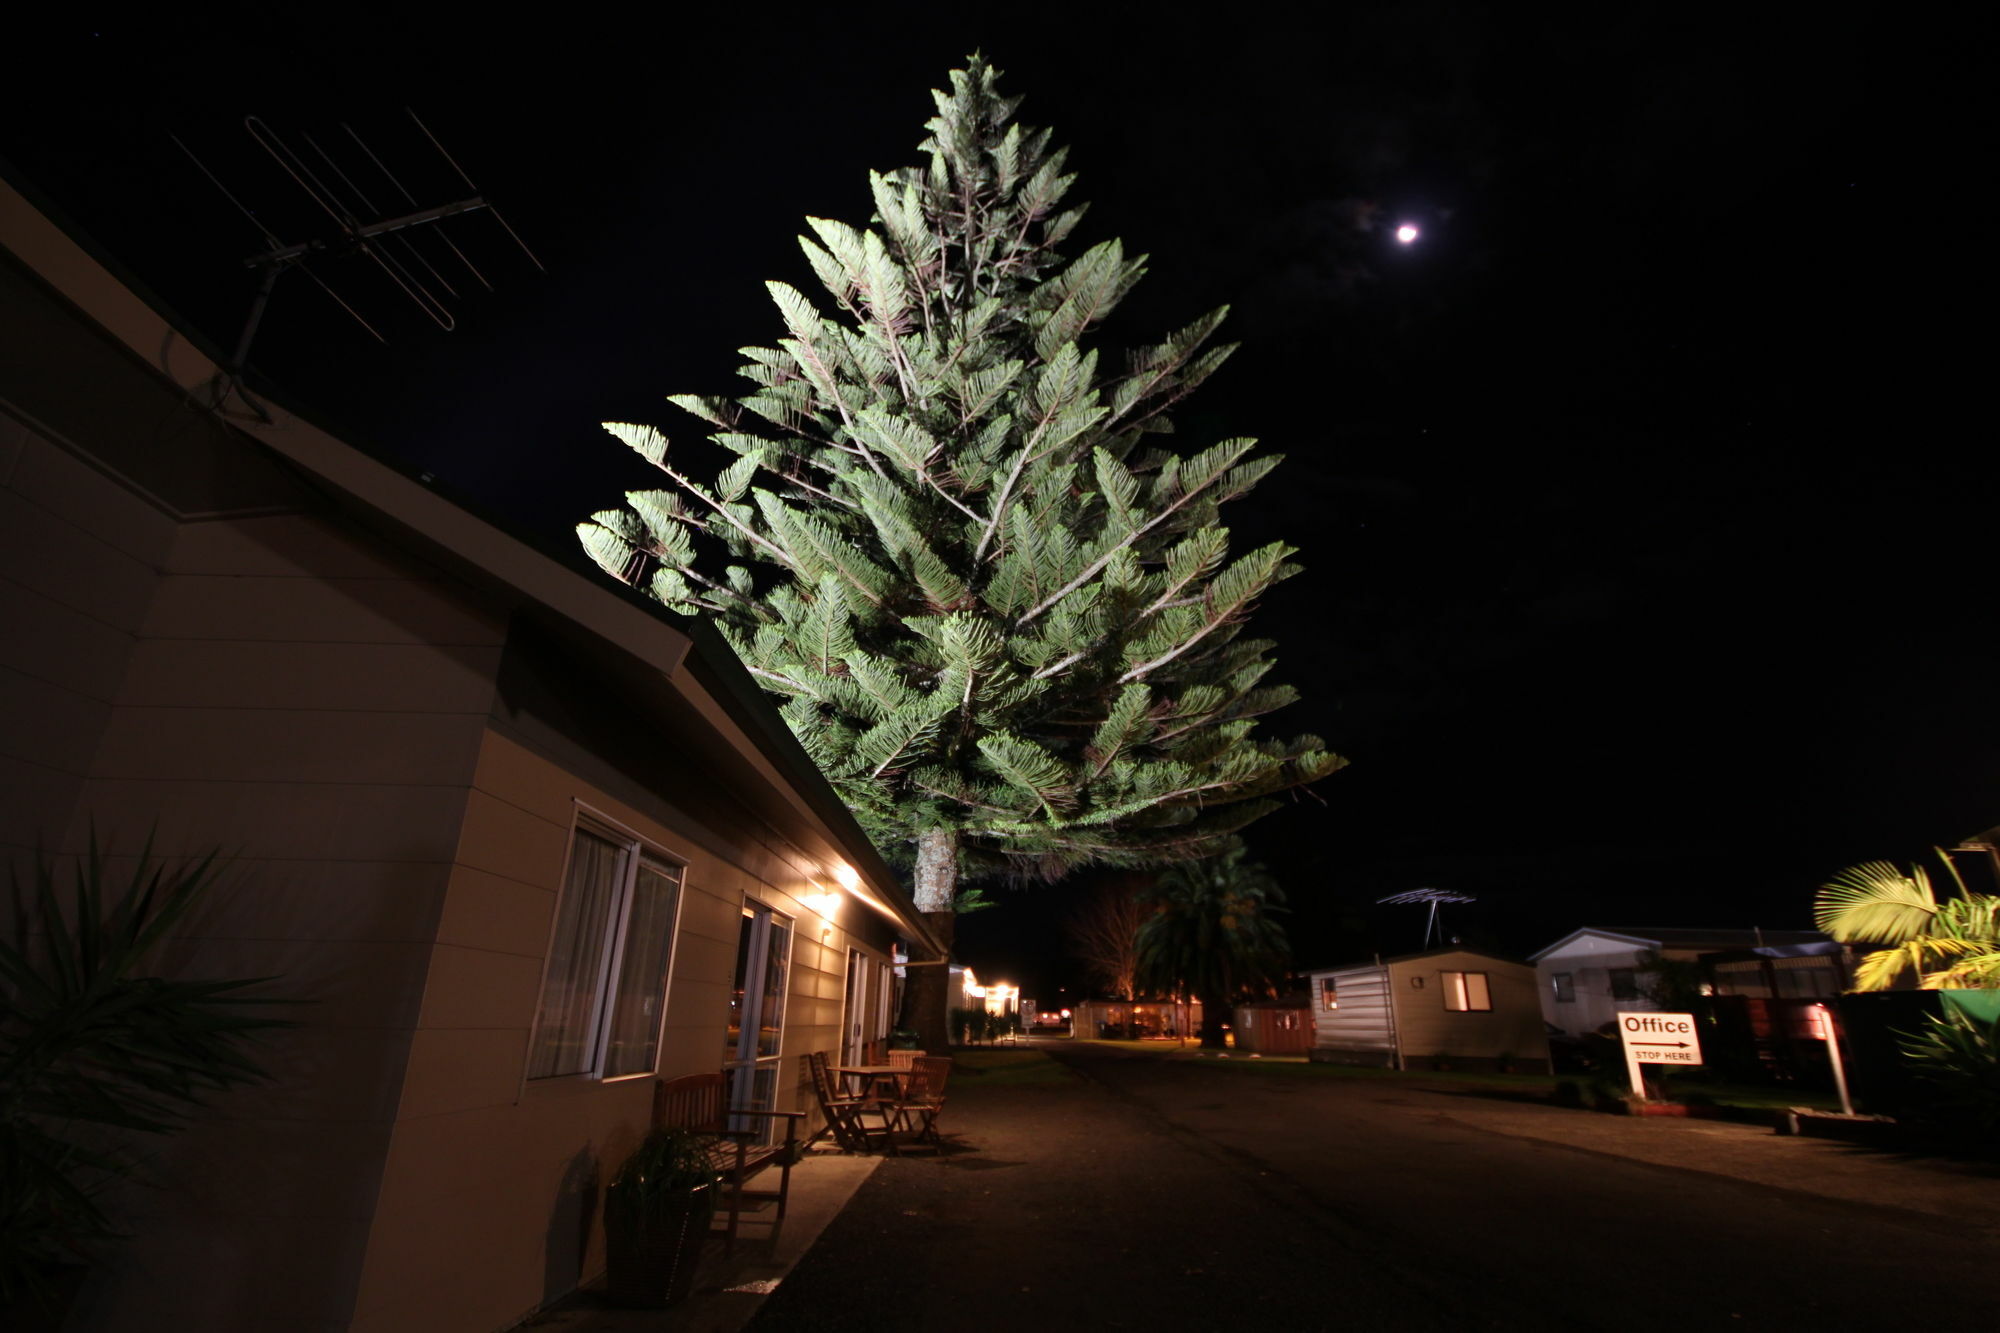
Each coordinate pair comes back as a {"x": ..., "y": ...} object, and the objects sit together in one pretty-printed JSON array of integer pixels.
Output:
[
  {"x": 456, "y": 1244},
  {"x": 1429, "y": 1032},
  {"x": 80, "y": 561},
  {"x": 1361, "y": 1029}
]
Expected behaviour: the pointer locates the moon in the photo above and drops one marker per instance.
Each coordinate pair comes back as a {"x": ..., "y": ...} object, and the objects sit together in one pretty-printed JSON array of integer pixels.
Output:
[{"x": 1407, "y": 233}]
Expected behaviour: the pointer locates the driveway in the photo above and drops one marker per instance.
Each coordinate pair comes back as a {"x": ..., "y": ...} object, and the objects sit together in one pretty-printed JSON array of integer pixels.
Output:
[{"x": 1131, "y": 1192}]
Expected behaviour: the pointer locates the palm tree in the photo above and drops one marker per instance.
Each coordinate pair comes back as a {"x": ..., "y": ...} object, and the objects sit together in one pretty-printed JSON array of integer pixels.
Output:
[
  {"x": 1953, "y": 944},
  {"x": 1213, "y": 934}
]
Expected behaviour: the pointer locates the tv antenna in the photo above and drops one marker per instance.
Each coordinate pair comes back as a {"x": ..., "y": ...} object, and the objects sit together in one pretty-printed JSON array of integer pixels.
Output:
[
  {"x": 1435, "y": 898},
  {"x": 369, "y": 214}
]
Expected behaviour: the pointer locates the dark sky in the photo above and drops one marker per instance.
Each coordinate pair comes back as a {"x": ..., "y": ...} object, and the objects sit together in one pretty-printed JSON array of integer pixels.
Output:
[{"x": 1646, "y": 541}]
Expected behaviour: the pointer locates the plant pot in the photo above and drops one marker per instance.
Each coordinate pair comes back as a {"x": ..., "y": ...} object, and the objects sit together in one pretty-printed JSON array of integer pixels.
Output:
[{"x": 650, "y": 1255}]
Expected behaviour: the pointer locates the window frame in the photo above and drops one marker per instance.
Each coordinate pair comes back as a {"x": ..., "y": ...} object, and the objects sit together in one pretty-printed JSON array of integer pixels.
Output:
[
  {"x": 1329, "y": 993},
  {"x": 1563, "y": 986},
  {"x": 1454, "y": 986},
  {"x": 636, "y": 848}
]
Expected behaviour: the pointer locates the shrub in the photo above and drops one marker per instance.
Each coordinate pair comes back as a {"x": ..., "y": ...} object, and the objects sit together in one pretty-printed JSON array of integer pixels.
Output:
[
  {"x": 93, "y": 1050},
  {"x": 1959, "y": 1057}
]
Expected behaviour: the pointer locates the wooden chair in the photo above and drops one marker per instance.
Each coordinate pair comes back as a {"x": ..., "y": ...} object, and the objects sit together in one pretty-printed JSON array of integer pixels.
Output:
[
  {"x": 843, "y": 1112},
  {"x": 700, "y": 1102},
  {"x": 923, "y": 1099}
]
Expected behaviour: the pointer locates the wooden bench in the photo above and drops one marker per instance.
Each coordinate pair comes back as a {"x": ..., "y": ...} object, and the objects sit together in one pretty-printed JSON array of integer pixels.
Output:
[{"x": 700, "y": 1102}]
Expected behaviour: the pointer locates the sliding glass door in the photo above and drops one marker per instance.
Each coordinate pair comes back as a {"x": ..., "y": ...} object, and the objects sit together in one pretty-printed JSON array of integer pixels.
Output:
[
  {"x": 866, "y": 1004},
  {"x": 757, "y": 1014}
]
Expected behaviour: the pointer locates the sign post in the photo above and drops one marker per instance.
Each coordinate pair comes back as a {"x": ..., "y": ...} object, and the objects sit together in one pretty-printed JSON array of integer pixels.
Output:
[
  {"x": 1657, "y": 1039},
  {"x": 1823, "y": 1028}
]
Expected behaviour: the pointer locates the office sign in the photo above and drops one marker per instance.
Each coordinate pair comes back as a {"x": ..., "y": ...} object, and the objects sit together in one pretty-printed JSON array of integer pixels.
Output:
[{"x": 1660, "y": 1039}]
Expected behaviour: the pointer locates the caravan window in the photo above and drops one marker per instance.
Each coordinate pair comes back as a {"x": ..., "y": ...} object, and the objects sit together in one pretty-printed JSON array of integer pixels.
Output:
[
  {"x": 1467, "y": 992},
  {"x": 1329, "y": 995}
]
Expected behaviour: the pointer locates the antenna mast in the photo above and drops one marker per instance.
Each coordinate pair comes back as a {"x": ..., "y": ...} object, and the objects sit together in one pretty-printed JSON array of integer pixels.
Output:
[
  {"x": 359, "y": 227},
  {"x": 1434, "y": 898}
]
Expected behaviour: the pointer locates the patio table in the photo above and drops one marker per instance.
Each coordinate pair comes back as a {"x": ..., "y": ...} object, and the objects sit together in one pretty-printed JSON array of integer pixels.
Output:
[{"x": 869, "y": 1076}]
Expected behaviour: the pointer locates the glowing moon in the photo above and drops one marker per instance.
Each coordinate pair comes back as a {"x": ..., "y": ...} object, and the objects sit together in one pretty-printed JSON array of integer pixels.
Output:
[{"x": 1407, "y": 233}]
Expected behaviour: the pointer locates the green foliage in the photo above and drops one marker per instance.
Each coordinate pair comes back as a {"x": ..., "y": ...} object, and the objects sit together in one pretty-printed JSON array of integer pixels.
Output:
[
  {"x": 960, "y": 547},
  {"x": 974, "y": 1024},
  {"x": 1949, "y": 944},
  {"x": 92, "y": 1049},
  {"x": 971, "y": 900},
  {"x": 662, "y": 1172},
  {"x": 1213, "y": 933},
  {"x": 1675, "y": 985},
  {"x": 1959, "y": 1056}
]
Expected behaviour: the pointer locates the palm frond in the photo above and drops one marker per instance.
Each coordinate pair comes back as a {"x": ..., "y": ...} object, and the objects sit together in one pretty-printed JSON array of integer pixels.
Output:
[{"x": 1876, "y": 903}]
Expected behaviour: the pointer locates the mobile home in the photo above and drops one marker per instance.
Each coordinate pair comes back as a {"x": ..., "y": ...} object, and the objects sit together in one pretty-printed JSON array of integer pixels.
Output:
[{"x": 1452, "y": 1008}]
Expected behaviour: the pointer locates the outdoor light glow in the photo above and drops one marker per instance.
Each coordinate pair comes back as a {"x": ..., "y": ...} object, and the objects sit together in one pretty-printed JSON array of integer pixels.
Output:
[
  {"x": 844, "y": 873},
  {"x": 1407, "y": 233}
]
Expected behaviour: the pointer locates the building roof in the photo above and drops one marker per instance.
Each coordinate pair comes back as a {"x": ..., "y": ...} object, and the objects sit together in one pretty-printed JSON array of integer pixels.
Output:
[
  {"x": 681, "y": 663},
  {"x": 1698, "y": 939}
]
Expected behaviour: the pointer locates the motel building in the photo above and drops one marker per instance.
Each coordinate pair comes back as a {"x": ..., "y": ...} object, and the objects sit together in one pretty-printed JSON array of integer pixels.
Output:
[{"x": 517, "y": 841}]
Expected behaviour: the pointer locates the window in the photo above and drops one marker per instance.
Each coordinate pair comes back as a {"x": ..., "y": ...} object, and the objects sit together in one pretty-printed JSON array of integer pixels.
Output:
[
  {"x": 1624, "y": 984},
  {"x": 1807, "y": 978},
  {"x": 1565, "y": 986},
  {"x": 1329, "y": 994},
  {"x": 604, "y": 991},
  {"x": 1466, "y": 992}
]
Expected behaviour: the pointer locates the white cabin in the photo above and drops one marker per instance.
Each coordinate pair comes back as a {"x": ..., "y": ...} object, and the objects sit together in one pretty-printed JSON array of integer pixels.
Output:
[
  {"x": 1448, "y": 1008},
  {"x": 1590, "y": 975}
]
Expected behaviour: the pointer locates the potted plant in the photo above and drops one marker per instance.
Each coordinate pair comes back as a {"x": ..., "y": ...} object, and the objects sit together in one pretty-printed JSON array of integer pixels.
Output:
[
  {"x": 656, "y": 1217},
  {"x": 93, "y": 1050}
]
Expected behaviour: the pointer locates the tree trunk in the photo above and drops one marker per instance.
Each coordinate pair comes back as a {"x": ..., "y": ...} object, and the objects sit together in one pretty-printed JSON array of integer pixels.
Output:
[
  {"x": 1215, "y": 1011},
  {"x": 936, "y": 888}
]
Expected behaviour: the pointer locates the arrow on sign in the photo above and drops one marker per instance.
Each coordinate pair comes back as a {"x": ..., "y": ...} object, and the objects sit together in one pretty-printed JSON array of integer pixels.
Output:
[{"x": 1680, "y": 1044}]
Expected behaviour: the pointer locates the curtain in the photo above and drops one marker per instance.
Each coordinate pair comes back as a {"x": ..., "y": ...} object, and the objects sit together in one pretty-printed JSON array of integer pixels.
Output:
[
  {"x": 771, "y": 1016},
  {"x": 574, "y": 985}
]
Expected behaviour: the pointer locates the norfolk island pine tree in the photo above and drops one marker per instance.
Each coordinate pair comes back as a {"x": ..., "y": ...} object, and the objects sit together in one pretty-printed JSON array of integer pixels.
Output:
[{"x": 997, "y": 603}]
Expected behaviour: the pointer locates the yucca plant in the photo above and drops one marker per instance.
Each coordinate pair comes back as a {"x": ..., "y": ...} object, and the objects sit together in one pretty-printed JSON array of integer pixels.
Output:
[
  {"x": 1959, "y": 1056},
  {"x": 1949, "y": 944},
  {"x": 94, "y": 1050}
]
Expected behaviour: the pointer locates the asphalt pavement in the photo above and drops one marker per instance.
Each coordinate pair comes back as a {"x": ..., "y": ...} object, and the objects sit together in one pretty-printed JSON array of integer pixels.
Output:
[{"x": 1128, "y": 1192}]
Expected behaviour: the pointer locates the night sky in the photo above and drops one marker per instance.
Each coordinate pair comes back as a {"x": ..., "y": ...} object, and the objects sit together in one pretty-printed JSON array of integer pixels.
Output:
[{"x": 1644, "y": 525}]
